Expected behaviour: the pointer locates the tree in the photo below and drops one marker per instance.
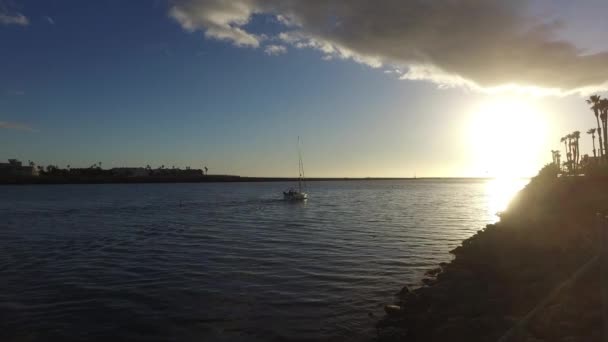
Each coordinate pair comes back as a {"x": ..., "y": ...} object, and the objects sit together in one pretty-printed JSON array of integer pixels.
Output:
[
  {"x": 564, "y": 139},
  {"x": 569, "y": 152},
  {"x": 592, "y": 132},
  {"x": 206, "y": 170},
  {"x": 594, "y": 101},
  {"x": 576, "y": 135},
  {"x": 603, "y": 108}
]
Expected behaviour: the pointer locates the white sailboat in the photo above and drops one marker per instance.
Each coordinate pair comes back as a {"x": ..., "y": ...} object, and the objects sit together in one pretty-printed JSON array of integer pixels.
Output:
[{"x": 300, "y": 193}]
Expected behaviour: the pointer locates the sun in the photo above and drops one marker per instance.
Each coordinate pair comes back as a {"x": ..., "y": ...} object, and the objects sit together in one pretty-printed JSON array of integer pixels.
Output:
[{"x": 507, "y": 137}]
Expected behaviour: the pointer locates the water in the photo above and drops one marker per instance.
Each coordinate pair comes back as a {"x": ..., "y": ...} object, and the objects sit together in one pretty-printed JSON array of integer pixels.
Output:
[{"x": 224, "y": 262}]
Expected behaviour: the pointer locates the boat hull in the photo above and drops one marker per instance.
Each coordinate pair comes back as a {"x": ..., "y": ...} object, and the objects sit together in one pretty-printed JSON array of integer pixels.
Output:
[{"x": 295, "y": 196}]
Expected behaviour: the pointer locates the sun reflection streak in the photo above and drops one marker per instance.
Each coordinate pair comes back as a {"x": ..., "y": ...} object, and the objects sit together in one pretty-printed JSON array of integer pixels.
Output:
[{"x": 500, "y": 192}]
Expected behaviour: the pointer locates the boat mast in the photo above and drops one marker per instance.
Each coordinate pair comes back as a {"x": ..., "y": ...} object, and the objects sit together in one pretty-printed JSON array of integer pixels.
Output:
[{"x": 300, "y": 166}]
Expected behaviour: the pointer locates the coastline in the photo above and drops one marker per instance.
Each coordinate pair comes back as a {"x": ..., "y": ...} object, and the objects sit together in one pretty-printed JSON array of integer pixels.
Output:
[
  {"x": 45, "y": 180},
  {"x": 532, "y": 276}
]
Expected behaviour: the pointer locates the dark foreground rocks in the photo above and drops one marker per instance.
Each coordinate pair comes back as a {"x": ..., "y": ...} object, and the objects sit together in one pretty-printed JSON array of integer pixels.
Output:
[{"x": 527, "y": 263}]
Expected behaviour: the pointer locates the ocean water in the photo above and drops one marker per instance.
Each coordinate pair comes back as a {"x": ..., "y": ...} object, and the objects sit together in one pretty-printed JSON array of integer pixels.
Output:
[{"x": 225, "y": 261}]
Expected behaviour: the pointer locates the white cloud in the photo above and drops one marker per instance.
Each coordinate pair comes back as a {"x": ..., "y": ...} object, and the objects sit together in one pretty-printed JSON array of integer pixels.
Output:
[
  {"x": 273, "y": 50},
  {"x": 49, "y": 20},
  {"x": 14, "y": 19},
  {"x": 488, "y": 45},
  {"x": 219, "y": 19}
]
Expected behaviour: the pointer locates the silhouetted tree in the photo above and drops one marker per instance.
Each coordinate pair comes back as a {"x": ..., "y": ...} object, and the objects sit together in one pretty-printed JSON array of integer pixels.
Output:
[
  {"x": 576, "y": 135},
  {"x": 594, "y": 101},
  {"x": 206, "y": 171},
  {"x": 592, "y": 132},
  {"x": 569, "y": 152},
  {"x": 603, "y": 108}
]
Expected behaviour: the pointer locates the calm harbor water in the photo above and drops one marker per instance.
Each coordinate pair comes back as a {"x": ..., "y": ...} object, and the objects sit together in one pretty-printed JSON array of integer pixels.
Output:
[{"x": 224, "y": 261}]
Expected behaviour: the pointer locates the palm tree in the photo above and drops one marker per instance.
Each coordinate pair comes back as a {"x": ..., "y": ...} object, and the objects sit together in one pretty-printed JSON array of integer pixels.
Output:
[
  {"x": 570, "y": 152},
  {"x": 576, "y": 135},
  {"x": 564, "y": 139},
  {"x": 594, "y": 101},
  {"x": 603, "y": 109},
  {"x": 555, "y": 156},
  {"x": 592, "y": 132}
]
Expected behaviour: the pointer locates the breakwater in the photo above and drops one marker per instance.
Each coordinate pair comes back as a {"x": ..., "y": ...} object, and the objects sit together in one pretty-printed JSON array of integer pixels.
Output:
[{"x": 536, "y": 275}]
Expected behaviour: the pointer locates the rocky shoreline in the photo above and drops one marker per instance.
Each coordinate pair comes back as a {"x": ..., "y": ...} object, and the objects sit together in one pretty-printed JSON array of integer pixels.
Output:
[{"x": 532, "y": 276}]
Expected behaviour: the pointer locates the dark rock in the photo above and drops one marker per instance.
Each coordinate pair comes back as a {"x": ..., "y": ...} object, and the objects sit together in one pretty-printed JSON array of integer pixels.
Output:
[
  {"x": 433, "y": 272},
  {"x": 428, "y": 281},
  {"x": 405, "y": 291},
  {"x": 391, "y": 309}
]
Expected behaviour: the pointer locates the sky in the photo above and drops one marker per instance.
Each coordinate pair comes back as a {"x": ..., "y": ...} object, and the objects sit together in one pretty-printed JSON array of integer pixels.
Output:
[{"x": 462, "y": 88}]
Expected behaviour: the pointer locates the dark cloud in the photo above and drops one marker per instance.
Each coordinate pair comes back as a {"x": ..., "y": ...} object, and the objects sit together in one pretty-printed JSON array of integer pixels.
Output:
[{"x": 475, "y": 43}]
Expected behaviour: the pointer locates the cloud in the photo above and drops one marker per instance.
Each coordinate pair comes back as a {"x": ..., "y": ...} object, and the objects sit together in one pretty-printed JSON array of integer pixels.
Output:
[
  {"x": 273, "y": 50},
  {"x": 220, "y": 20},
  {"x": 481, "y": 44},
  {"x": 16, "y": 126},
  {"x": 14, "y": 19},
  {"x": 49, "y": 20},
  {"x": 9, "y": 16}
]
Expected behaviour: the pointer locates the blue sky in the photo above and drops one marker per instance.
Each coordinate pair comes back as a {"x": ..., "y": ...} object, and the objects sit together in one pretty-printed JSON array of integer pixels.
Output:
[{"x": 124, "y": 83}]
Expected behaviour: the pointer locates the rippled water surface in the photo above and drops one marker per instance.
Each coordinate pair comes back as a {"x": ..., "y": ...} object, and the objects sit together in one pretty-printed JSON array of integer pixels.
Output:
[{"x": 224, "y": 262}]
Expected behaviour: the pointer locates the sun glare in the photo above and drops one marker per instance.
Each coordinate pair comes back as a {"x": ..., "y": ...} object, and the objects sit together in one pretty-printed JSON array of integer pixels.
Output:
[
  {"x": 507, "y": 138},
  {"x": 500, "y": 192}
]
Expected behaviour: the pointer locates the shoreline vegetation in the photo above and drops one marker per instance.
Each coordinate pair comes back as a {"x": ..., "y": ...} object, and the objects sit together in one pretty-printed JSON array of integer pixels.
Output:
[{"x": 532, "y": 276}]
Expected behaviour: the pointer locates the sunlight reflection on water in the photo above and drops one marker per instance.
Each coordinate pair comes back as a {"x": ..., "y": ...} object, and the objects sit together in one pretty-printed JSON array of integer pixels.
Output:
[{"x": 500, "y": 192}]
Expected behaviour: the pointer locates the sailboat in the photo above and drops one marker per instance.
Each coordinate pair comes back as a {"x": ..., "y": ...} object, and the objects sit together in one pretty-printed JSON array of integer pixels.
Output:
[{"x": 299, "y": 194}]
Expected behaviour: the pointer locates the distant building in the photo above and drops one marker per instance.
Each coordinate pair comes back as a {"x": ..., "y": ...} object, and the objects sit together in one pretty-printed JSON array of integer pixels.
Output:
[
  {"x": 130, "y": 172},
  {"x": 14, "y": 168}
]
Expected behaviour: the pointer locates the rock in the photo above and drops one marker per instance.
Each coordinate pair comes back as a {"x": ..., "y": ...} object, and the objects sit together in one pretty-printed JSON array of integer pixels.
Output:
[
  {"x": 391, "y": 309},
  {"x": 433, "y": 272},
  {"x": 428, "y": 281},
  {"x": 404, "y": 291}
]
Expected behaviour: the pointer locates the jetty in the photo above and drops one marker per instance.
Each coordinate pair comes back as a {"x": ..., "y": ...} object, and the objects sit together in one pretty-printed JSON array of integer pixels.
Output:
[{"x": 539, "y": 274}]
